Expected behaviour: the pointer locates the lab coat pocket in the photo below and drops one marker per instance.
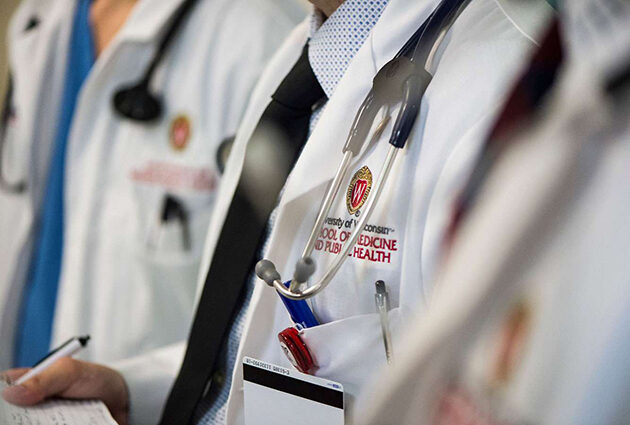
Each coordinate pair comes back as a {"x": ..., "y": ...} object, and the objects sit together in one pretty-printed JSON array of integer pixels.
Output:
[
  {"x": 170, "y": 255},
  {"x": 350, "y": 350},
  {"x": 170, "y": 294}
]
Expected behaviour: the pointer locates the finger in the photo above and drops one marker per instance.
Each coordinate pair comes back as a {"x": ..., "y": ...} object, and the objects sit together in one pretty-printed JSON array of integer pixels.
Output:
[
  {"x": 55, "y": 380},
  {"x": 12, "y": 375},
  {"x": 93, "y": 381},
  {"x": 71, "y": 378}
]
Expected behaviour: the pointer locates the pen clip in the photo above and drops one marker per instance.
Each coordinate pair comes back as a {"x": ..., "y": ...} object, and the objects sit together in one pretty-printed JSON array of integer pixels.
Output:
[
  {"x": 53, "y": 352},
  {"x": 83, "y": 340},
  {"x": 381, "y": 298},
  {"x": 173, "y": 209}
]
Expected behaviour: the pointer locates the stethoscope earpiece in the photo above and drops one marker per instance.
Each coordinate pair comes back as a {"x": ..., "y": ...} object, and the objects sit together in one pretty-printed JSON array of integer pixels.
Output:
[{"x": 137, "y": 103}]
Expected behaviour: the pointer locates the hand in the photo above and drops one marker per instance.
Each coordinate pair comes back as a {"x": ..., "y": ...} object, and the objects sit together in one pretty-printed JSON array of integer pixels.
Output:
[{"x": 70, "y": 378}]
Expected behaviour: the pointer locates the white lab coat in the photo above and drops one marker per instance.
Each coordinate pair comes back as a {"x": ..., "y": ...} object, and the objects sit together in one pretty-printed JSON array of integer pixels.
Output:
[
  {"x": 560, "y": 259},
  {"x": 530, "y": 324},
  {"x": 475, "y": 65},
  {"x": 131, "y": 291}
]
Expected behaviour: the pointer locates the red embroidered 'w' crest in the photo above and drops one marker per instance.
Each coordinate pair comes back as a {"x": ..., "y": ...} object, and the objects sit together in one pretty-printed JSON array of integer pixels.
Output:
[
  {"x": 358, "y": 192},
  {"x": 359, "y": 189}
]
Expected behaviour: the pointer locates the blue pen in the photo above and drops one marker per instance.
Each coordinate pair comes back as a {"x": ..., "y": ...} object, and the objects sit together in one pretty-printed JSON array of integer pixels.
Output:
[{"x": 300, "y": 312}]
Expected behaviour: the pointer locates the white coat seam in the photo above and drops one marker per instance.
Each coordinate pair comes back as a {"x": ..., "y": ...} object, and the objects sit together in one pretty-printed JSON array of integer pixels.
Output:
[
  {"x": 373, "y": 52},
  {"x": 513, "y": 22}
]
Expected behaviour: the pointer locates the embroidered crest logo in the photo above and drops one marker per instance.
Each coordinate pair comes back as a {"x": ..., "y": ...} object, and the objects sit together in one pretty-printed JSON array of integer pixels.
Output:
[
  {"x": 359, "y": 189},
  {"x": 180, "y": 132}
]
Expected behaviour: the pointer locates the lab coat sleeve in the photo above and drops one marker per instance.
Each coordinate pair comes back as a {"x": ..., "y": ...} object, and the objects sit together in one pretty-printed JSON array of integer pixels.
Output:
[{"x": 149, "y": 379}]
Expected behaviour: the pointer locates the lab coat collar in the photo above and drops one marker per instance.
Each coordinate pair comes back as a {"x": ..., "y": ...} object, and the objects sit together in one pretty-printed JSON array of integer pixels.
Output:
[{"x": 37, "y": 58}]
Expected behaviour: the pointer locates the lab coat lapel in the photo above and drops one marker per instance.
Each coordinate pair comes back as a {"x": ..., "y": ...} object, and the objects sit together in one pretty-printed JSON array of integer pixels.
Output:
[
  {"x": 269, "y": 81},
  {"x": 323, "y": 147},
  {"x": 399, "y": 21},
  {"x": 40, "y": 55},
  {"x": 275, "y": 72},
  {"x": 38, "y": 61}
]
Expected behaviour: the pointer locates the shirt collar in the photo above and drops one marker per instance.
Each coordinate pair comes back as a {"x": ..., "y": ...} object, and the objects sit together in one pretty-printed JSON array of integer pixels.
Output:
[{"x": 334, "y": 41}]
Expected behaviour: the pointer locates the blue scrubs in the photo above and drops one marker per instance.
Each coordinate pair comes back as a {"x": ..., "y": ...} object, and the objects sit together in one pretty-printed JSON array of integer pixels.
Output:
[{"x": 32, "y": 340}]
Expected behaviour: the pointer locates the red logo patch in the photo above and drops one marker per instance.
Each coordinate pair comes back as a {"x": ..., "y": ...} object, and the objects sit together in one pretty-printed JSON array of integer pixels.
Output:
[
  {"x": 357, "y": 192},
  {"x": 180, "y": 132},
  {"x": 359, "y": 189}
]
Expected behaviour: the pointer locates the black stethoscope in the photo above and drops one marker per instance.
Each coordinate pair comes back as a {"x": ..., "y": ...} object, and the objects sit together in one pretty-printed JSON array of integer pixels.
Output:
[{"x": 134, "y": 101}]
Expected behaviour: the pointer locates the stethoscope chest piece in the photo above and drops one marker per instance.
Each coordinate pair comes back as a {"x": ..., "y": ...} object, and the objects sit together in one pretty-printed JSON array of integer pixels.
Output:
[{"x": 136, "y": 102}]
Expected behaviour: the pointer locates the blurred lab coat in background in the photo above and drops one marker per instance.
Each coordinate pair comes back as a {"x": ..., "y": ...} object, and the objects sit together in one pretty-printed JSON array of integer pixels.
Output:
[{"x": 531, "y": 316}]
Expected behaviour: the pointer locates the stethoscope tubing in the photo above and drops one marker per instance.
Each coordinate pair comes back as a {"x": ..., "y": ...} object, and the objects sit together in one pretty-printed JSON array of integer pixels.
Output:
[{"x": 325, "y": 208}]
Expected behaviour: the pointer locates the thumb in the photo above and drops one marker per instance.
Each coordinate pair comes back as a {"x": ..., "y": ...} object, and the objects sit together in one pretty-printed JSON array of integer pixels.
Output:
[
  {"x": 52, "y": 381},
  {"x": 20, "y": 395}
]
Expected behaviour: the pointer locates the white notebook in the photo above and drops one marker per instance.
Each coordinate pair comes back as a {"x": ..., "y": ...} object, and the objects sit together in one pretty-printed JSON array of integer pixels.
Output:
[{"x": 55, "y": 412}]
